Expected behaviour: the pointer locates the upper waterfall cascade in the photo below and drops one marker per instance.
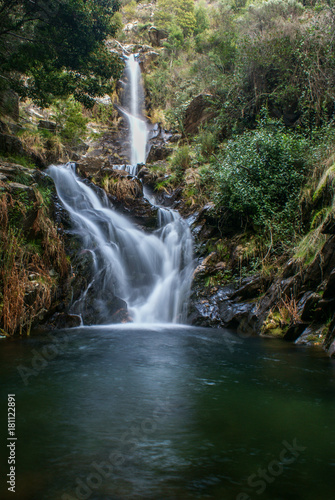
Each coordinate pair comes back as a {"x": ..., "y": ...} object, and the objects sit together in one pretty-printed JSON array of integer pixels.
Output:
[{"x": 133, "y": 109}]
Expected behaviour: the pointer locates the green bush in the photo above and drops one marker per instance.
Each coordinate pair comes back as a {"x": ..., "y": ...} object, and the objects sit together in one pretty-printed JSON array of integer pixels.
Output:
[
  {"x": 261, "y": 176},
  {"x": 181, "y": 161},
  {"x": 70, "y": 120}
]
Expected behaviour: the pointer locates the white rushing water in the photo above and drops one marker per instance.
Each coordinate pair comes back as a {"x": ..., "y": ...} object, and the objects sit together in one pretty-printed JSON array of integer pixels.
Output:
[
  {"x": 151, "y": 272},
  {"x": 133, "y": 110}
]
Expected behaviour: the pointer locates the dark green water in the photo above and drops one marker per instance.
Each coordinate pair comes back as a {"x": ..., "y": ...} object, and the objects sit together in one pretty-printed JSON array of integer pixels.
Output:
[{"x": 168, "y": 413}]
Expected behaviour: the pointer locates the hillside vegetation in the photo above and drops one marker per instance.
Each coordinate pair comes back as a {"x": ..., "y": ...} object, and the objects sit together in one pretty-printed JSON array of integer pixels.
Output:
[
  {"x": 267, "y": 71},
  {"x": 258, "y": 151}
]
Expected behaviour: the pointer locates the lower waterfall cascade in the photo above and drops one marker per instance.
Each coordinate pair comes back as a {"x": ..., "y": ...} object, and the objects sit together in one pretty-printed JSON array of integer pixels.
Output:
[{"x": 152, "y": 272}]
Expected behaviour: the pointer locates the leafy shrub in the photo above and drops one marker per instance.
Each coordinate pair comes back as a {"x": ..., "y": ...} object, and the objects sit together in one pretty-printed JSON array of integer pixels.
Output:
[
  {"x": 181, "y": 161},
  {"x": 261, "y": 176},
  {"x": 70, "y": 120}
]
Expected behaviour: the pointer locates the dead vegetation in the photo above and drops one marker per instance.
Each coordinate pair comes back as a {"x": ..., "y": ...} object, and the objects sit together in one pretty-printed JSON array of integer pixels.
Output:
[{"x": 31, "y": 261}]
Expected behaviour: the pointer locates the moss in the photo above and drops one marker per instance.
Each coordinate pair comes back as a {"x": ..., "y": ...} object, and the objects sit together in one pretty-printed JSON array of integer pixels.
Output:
[
  {"x": 326, "y": 180},
  {"x": 19, "y": 160},
  {"x": 310, "y": 246}
]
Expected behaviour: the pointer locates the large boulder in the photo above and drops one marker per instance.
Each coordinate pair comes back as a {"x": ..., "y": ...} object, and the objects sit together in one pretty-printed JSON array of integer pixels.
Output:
[
  {"x": 197, "y": 113},
  {"x": 11, "y": 145},
  {"x": 147, "y": 58},
  {"x": 9, "y": 104},
  {"x": 156, "y": 36},
  {"x": 159, "y": 152}
]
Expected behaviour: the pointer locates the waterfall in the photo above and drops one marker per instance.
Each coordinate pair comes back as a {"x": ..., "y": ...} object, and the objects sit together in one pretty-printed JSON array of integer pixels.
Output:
[
  {"x": 133, "y": 106},
  {"x": 152, "y": 273}
]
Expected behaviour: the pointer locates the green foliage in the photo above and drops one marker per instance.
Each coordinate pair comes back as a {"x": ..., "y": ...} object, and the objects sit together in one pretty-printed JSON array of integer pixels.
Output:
[
  {"x": 176, "y": 13},
  {"x": 70, "y": 120},
  {"x": 20, "y": 160},
  {"x": 181, "y": 161},
  {"x": 201, "y": 18},
  {"x": 207, "y": 143},
  {"x": 175, "y": 40},
  {"x": 59, "y": 46},
  {"x": 260, "y": 178}
]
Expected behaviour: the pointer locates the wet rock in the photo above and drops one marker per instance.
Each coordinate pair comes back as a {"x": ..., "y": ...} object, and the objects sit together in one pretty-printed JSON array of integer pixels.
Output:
[
  {"x": 330, "y": 286},
  {"x": 232, "y": 313},
  {"x": 308, "y": 306},
  {"x": 140, "y": 210},
  {"x": 294, "y": 331},
  {"x": 121, "y": 316},
  {"x": 64, "y": 320},
  {"x": 251, "y": 287},
  {"x": 149, "y": 177},
  {"x": 79, "y": 149},
  {"x": 290, "y": 269},
  {"x": 94, "y": 309},
  {"x": 310, "y": 336},
  {"x": 197, "y": 113},
  {"x": 331, "y": 350}
]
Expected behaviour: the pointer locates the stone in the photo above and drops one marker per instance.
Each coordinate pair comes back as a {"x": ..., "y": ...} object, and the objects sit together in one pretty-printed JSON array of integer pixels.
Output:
[
  {"x": 81, "y": 148},
  {"x": 92, "y": 165},
  {"x": 331, "y": 350},
  {"x": 65, "y": 320},
  {"x": 16, "y": 187},
  {"x": 147, "y": 59},
  {"x": 158, "y": 153},
  {"x": 10, "y": 144},
  {"x": 149, "y": 177},
  {"x": 156, "y": 36},
  {"x": 197, "y": 113},
  {"x": 322, "y": 265},
  {"x": 9, "y": 104},
  {"x": 308, "y": 306},
  {"x": 12, "y": 170},
  {"x": 294, "y": 331},
  {"x": 330, "y": 286},
  {"x": 251, "y": 287},
  {"x": 47, "y": 125},
  {"x": 310, "y": 336},
  {"x": 232, "y": 313}
]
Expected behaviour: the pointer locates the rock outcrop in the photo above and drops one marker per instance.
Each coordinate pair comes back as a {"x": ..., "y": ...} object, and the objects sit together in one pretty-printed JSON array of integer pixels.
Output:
[{"x": 197, "y": 113}]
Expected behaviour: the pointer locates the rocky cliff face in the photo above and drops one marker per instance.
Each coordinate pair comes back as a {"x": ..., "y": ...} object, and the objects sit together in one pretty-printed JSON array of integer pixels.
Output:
[{"x": 296, "y": 303}]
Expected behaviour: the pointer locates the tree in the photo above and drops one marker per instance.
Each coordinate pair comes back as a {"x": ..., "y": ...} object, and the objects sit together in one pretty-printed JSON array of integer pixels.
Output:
[
  {"x": 52, "y": 48},
  {"x": 172, "y": 13}
]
